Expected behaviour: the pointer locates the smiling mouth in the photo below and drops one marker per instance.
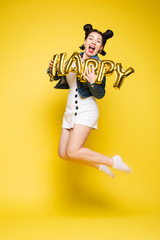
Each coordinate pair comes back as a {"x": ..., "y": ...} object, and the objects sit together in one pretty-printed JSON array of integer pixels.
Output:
[{"x": 91, "y": 49}]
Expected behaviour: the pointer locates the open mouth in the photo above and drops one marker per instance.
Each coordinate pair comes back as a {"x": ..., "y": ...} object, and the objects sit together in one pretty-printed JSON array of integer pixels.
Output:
[{"x": 91, "y": 49}]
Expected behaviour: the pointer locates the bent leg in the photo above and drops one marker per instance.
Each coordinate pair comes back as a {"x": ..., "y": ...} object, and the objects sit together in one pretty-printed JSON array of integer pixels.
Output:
[
  {"x": 76, "y": 151},
  {"x": 62, "y": 150}
]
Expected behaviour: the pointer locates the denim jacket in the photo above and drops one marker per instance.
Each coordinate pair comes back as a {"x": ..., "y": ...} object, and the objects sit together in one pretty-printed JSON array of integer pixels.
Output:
[{"x": 85, "y": 89}]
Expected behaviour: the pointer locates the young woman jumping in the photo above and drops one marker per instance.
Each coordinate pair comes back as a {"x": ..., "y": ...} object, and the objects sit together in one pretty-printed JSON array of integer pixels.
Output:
[{"x": 81, "y": 113}]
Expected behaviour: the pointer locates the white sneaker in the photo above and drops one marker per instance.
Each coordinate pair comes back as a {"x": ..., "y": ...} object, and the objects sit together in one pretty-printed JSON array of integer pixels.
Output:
[
  {"x": 120, "y": 165},
  {"x": 106, "y": 170}
]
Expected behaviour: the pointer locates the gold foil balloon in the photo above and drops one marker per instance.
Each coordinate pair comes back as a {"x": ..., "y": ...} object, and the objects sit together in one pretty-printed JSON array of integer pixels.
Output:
[
  {"x": 121, "y": 75},
  {"x": 60, "y": 66},
  {"x": 106, "y": 67},
  {"x": 101, "y": 68},
  {"x": 86, "y": 64},
  {"x": 54, "y": 67},
  {"x": 78, "y": 69}
]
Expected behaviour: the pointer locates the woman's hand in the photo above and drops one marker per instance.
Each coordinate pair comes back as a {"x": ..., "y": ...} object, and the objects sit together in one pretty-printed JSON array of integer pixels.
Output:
[
  {"x": 50, "y": 66},
  {"x": 51, "y": 63},
  {"x": 91, "y": 76}
]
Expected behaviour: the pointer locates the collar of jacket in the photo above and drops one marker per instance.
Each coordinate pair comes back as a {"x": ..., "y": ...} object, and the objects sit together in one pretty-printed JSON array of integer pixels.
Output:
[{"x": 95, "y": 56}]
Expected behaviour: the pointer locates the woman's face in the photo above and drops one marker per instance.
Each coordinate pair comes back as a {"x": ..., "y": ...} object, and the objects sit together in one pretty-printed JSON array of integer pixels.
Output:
[{"x": 93, "y": 43}]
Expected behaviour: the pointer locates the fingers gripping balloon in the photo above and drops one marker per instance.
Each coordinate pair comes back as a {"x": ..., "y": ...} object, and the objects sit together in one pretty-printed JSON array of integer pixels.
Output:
[
  {"x": 89, "y": 62},
  {"x": 102, "y": 68}
]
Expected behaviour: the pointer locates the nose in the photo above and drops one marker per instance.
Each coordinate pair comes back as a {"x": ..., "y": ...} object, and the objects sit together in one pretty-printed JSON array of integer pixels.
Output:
[{"x": 94, "y": 42}]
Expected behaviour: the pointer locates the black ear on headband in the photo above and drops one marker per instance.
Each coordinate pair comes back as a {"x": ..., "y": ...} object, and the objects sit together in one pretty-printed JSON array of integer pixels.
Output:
[
  {"x": 108, "y": 34},
  {"x": 87, "y": 28}
]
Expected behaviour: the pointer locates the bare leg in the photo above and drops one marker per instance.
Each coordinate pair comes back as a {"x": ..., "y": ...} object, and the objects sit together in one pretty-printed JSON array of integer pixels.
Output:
[
  {"x": 76, "y": 151},
  {"x": 62, "y": 150},
  {"x": 71, "y": 148}
]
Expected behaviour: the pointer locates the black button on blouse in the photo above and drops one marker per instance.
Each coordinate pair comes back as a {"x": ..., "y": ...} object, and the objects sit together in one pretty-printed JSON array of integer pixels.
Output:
[
  {"x": 75, "y": 114},
  {"x": 76, "y": 95},
  {"x": 76, "y": 101}
]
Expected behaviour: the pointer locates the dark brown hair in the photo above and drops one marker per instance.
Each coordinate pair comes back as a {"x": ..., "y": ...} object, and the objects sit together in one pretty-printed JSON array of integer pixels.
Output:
[{"x": 105, "y": 36}]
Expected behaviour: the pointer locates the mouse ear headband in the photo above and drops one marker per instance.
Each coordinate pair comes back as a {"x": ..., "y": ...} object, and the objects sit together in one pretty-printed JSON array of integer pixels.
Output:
[{"x": 105, "y": 36}]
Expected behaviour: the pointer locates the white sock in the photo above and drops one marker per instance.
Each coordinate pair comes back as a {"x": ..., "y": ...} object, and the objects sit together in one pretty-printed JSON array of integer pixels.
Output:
[
  {"x": 120, "y": 165},
  {"x": 106, "y": 170}
]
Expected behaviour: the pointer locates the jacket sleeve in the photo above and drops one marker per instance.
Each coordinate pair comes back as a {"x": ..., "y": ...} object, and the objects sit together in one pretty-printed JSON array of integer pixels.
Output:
[{"x": 97, "y": 90}]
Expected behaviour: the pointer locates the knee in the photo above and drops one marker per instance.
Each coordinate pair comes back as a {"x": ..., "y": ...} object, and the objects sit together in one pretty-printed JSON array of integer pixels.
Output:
[
  {"x": 62, "y": 154},
  {"x": 71, "y": 153}
]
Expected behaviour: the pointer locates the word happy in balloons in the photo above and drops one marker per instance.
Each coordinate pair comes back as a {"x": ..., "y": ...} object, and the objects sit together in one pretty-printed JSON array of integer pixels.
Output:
[{"x": 101, "y": 68}]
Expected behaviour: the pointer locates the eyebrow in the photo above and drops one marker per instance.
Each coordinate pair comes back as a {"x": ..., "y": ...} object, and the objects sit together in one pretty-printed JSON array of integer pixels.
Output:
[{"x": 97, "y": 38}]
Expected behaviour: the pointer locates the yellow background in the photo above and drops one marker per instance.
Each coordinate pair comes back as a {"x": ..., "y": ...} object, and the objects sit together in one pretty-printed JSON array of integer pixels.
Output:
[{"x": 42, "y": 196}]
